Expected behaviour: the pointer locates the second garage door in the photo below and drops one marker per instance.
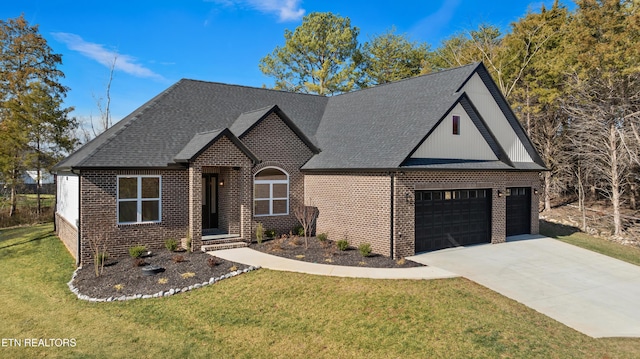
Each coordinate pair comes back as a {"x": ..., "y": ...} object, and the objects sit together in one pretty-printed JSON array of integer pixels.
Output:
[{"x": 452, "y": 218}]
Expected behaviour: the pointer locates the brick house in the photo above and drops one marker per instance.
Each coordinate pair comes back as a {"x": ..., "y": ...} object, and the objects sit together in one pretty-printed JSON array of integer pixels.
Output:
[{"x": 426, "y": 163}]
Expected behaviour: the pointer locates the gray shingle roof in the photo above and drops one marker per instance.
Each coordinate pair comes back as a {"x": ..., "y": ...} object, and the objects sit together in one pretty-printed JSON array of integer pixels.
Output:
[
  {"x": 203, "y": 140},
  {"x": 375, "y": 128}
]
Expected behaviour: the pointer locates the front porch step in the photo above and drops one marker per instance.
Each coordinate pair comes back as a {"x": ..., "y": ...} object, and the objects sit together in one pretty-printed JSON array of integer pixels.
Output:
[
  {"x": 206, "y": 241},
  {"x": 219, "y": 246}
]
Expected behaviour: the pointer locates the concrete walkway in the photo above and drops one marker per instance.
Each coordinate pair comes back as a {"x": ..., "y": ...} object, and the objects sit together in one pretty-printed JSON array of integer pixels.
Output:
[
  {"x": 256, "y": 258},
  {"x": 592, "y": 293}
]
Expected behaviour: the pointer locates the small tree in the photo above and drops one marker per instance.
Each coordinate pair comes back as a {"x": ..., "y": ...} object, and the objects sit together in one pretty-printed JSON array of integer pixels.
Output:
[
  {"x": 98, "y": 247},
  {"x": 307, "y": 216}
]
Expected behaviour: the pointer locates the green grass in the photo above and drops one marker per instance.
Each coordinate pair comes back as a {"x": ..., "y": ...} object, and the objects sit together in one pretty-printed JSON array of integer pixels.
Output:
[
  {"x": 268, "y": 314},
  {"x": 573, "y": 236}
]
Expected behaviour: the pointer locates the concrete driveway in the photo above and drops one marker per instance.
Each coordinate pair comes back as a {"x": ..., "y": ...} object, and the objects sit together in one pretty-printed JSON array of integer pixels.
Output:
[{"x": 589, "y": 292}]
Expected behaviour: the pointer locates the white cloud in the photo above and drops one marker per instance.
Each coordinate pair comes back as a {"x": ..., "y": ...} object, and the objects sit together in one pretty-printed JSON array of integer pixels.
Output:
[
  {"x": 287, "y": 10},
  {"x": 435, "y": 22},
  {"x": 124, "y": 63}
]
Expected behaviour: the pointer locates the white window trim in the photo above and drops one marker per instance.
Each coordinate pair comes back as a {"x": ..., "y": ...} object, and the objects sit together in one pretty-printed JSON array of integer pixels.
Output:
[
  {"x": 139, "y": 199},
  {"x": 271, "y": 198}
]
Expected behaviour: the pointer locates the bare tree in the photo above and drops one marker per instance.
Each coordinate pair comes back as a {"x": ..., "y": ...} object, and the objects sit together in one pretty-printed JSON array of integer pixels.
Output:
[{"x": 307, "y": 216}]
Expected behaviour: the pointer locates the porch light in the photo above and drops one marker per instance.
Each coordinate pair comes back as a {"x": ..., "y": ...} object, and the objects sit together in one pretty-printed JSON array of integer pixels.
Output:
[
  {"x": 221, "y": 183},
  {"x": 500, "y": 193},
  {"x": 535, "y": 191}
]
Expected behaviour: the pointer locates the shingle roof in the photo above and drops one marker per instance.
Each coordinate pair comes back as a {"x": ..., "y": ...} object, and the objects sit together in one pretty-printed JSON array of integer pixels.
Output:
[
  {"x": 201, "y": 141},
  {"x": 375, "y": 128}
]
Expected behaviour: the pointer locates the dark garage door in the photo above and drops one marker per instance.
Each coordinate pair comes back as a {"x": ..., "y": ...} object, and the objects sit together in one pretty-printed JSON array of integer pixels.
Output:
[
  {"x": 518, "y": 210},
  {"x": 452, "y": 218}
]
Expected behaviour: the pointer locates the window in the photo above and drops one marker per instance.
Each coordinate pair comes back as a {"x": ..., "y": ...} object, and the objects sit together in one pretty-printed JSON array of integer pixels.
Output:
[
  {"x": 271, "y": 192},
  {"x": 138, "y": 199},
  {"x": 456, "y": 125}
]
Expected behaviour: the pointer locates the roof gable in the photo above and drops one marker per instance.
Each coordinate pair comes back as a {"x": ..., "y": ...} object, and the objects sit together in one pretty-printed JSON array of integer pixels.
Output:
[
  {"x": 201, "y": 141},
  {"x": 488, "y": 98},
  {"x": 249, "y": 120},
  {"x": 474, "y": 140}
]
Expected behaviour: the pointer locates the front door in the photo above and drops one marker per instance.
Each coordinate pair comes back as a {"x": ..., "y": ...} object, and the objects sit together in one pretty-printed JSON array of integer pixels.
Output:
[{"x": 209, "y": 201}]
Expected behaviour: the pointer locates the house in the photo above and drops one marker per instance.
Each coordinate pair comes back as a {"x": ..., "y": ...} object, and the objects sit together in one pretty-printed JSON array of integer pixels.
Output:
[{"x": 426, "y": 163}]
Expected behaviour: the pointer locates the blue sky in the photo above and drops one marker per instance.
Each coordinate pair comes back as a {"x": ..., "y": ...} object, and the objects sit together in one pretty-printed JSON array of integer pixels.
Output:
[{"x": 157, "y": 42}]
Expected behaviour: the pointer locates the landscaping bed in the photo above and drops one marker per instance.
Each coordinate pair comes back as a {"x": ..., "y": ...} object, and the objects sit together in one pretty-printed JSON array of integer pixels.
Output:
[
  {"x": 120, "y": 277},
  {"x": 327, "y": 252}
]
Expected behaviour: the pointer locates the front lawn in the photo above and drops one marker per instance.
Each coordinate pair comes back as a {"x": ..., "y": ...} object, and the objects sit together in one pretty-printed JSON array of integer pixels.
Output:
[
  {"x": 268, "y": 314},
  {"x": 573, "y": 236}
]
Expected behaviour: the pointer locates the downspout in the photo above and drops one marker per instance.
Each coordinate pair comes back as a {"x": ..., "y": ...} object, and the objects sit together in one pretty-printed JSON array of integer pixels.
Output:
[
  {"x": 79, "y": 245},
  {"x": 392, "y": 175}
]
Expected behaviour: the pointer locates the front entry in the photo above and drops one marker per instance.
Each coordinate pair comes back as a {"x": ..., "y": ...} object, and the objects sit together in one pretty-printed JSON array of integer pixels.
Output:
[{"x": 209, "y": 201}]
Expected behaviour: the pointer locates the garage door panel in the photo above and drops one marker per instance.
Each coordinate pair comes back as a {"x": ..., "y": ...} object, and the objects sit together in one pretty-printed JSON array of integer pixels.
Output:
[
  {"x": 450, "y": 218},
  {"x": 518, "y": 210}
]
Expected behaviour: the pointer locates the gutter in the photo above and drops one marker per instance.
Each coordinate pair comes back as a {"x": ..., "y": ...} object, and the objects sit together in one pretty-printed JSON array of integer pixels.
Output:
[
  {"x": 392, "y": 176},
  {"x": 78, "y": 224}
]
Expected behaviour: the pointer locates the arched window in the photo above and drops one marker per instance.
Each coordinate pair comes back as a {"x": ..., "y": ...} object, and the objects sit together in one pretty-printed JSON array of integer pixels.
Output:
[{"x": 271, "y": 192}]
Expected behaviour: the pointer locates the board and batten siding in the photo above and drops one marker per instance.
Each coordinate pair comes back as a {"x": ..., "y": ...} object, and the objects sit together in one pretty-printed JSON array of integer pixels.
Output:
[
  {"x": 68, "y": 201},
  {"x": 468, "y": 145},
  {"x": 495, "y": 119}
]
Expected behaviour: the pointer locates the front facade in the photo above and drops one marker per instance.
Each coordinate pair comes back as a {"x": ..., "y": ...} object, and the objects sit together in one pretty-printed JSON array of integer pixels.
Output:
[{"x": 408, "y": 167}]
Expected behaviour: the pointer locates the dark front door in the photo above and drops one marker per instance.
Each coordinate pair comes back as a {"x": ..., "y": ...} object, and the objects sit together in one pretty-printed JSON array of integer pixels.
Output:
[
  {"x": 518, "y": 210},
  {"x": 209, "y": 201},
  {"x": 452, "y": 218}
]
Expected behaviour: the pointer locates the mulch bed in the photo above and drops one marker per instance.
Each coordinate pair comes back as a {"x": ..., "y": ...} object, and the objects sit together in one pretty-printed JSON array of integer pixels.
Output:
[
  {"x": 327, "y": 253},
  {"x": 120, "y": 277},
  {"x": 122, "y": 272}
]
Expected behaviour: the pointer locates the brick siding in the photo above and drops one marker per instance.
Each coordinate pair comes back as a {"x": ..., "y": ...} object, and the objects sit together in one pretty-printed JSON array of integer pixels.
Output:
[
  {"x": 98, "y": 212},
  {"x": 68, "y": 234},
  {"x": 357, "y": 206},
  {"x": 234, "y": 201},
  {"x": 273, "y": 142}
]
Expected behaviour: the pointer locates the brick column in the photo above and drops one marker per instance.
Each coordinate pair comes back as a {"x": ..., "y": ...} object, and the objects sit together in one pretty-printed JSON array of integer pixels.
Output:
[{"x": 195, "y": 206}]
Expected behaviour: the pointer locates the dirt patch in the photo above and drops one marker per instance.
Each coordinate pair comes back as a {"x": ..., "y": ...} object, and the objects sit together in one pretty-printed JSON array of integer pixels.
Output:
[
  {"x": 121, "y": 278},
  {"x": 327, "y": 253}
]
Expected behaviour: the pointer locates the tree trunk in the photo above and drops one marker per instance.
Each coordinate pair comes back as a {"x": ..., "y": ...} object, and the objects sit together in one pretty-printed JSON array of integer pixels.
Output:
[
  {"x": 547, "y": 191},
  {"x": 615, "y": 181},
  {"x": 633, "y": 188},
  {"x": 581, "y": 196}
]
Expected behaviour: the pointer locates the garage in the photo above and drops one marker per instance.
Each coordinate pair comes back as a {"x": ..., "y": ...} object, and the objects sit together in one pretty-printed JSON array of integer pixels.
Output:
[
  {"x": 518, "y": 210},
  {"x": 452, "y": 218}
]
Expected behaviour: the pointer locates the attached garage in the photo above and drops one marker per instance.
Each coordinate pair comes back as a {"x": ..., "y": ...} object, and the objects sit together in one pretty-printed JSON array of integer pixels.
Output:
[
  {"x": 518, "y": 210},
  {"x": 452, "y": 218}
]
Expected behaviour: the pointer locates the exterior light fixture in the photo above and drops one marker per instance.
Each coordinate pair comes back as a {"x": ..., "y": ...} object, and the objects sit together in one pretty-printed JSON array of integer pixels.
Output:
[
  {"x": 535, "y": 191},
  {"x": 500, "y": 193},
  {"x": 221, "y": 183}
]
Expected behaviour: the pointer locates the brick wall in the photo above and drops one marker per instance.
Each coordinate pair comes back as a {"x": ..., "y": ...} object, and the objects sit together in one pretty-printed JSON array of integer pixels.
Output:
[
  {"x": 233, "y": 198},
  {"x": 98, "y": 212},
  {"x": 273, "y": 142},
  {"x": 409, "y": 182},
  {"x": 68, "y": 234},
  {"x": 357, "y": 206}
]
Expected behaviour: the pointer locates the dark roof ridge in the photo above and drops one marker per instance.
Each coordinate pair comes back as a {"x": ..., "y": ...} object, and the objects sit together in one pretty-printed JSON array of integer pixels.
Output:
[
  {"x": 473, "y": 64},
  {"x": 129, "y": 120},
  {"x": 251, "y": 87}
]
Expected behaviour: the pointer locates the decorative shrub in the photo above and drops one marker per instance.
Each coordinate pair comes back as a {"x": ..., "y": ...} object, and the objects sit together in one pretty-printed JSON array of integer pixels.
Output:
[
  {"x": 188, "y": 275},
  {"x": 401, "y": 261},
  {"x": 342, "y": 244},
  {"x": 118, "y": 287},
  {"x": 299, "y": 230},
  {"x": 297, "y": 241},
  {"x": 365, "y": 249},
  {"x": 270, "y": 233},
  {"x": 178, "y": 259},
  {"x": 171, "y": 244},
  {"x": 137, "y": 251},
  {"x": 212, "y": 261},
  {"x": 139, "y": 262},
  {"x": 189, "y": 242},
  {"x": 322, "y": 237},
  {"x": 233, "y": 269},
  {"x": 259, "y": 233},
  {"x": 163, "y": 280}
]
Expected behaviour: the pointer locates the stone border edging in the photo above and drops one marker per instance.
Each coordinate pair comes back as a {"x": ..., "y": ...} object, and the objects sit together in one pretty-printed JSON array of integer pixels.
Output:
[{"x": 160, "y": 294}]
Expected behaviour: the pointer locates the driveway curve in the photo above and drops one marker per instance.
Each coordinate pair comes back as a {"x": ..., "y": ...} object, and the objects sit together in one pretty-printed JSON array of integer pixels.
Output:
[{"x": 589, "y": 292}]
